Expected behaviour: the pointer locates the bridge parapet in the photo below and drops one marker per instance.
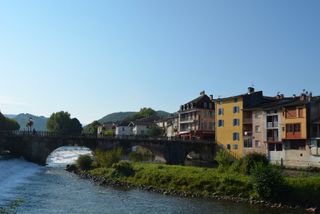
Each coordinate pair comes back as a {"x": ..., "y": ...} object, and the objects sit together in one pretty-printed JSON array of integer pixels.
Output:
[{"x": 36, "y": 146}]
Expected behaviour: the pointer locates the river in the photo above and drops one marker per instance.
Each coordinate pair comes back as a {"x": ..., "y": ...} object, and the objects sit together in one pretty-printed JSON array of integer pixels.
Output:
[{"x": 53, "y": 190}]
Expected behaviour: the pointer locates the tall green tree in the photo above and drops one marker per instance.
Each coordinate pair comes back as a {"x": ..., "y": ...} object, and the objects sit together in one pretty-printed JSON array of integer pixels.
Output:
[
  {"x": 92, "y": 128},
  {"x": 143, "y": 113},
  {"x": 62, "y": 122},
  {"x": 7, "y": 124}
]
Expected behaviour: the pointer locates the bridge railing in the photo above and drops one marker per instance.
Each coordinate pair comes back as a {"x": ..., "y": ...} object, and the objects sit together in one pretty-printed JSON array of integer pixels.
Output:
[{"x": 90, "y": 136}]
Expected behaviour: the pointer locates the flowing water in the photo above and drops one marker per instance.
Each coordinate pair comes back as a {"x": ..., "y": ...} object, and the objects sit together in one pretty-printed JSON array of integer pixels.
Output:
[{"x": 53, "y": 190}]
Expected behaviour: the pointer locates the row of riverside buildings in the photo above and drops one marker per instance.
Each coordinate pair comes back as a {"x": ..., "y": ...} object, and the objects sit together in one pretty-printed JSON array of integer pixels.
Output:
[{"x": 285, "y": 129}]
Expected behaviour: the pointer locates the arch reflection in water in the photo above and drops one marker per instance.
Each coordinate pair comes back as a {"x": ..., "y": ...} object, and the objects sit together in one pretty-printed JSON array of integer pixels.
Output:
[{"x": 66, "y": 155}]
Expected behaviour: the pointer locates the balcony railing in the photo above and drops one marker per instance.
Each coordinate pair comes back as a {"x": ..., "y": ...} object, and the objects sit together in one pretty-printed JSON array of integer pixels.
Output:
[
  {"x": 247, "y": 120},
  {"x": 187, "y": 121},
  {"x": 272, "y": 125},
  {"x": 272, "y": 139}
]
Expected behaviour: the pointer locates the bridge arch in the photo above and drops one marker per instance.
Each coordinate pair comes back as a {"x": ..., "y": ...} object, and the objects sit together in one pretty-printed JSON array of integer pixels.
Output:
[{"x": 65, "y": 155}]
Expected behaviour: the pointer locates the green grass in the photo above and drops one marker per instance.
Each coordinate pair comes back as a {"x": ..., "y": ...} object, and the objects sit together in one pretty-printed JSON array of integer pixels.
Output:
[
  {"x": 192, "y": 180},
  {"x": 299, "y": 190}
]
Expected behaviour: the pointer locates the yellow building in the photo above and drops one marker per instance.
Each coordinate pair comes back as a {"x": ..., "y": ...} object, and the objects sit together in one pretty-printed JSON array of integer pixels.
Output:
[{"x": 234, "y": 121}]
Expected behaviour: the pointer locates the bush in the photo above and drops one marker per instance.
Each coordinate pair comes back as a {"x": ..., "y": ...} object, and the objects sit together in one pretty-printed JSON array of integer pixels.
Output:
[
  {"x": 267, "y": 180},
  {"x": 106, "y": 159},
  {"x": 84, "y": 162},
  {"x": 249, "y": 161},
  {"x": 224, "y": 159},
  {"x": 141, "y": 154},
  {"x": 124, "y": 168}
]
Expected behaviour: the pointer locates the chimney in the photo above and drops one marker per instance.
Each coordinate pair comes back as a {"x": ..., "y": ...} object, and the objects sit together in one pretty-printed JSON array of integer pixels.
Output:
[
  {"x": 303, "y": 97},
  {"x": 250, "y": 90},
  {"x": 202, "y": 93},
  {"x": 211, "y": 97}
]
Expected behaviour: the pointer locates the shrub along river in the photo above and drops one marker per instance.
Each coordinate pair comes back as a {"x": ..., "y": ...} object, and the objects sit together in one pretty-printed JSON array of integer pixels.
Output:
[{"x": 53, "y": 190}]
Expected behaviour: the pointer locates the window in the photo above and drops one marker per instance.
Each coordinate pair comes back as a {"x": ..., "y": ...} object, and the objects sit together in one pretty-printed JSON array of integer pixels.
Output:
[
  {"x": 300, "y": 112},
  {"x": 257, "y": 128},
  {"x": 211, "y": 125},
  {"x": 235, "y": 146},
  {"x": 210, "y": 113},
  {"x": 220, "y": 123},
  {"x": 293, "y": 127},
  {"x": 220, "y": 111},
  {"x": 247, "y": 143},
  {"x": 228, "y": 146},
  {"x": 236, "y": 109},
  {"x": 291, "y": 113},
  {"x": 257, "y": 144},
  {"x": 236, "y": 136},
  {"x": 236, "y": 100},
  {"x": 204, "y": 125},
  {"x": 236, "y": 122},
  {"x": 257, "y": 115},
  {"x": 205, "y": 105}
]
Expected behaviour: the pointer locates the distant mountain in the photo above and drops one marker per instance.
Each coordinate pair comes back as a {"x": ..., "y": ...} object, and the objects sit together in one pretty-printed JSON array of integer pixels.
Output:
[
  {"x": 39, "y": 122},
  {"x": 119, "y": 116},
  {"x": 11, "y": 116}
]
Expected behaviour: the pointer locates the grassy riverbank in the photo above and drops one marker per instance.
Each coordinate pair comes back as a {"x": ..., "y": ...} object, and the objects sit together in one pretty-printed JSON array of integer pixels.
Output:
[
  {"x": 251, "y": 179},
  {"x": 195, "y": 180}
]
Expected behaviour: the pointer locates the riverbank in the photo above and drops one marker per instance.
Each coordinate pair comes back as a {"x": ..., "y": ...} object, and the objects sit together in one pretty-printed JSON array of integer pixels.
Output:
[{"x": 196, "y": 182}]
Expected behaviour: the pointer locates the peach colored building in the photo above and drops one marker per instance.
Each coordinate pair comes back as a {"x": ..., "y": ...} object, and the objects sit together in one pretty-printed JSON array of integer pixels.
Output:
[{"x": 196, "y": 119}]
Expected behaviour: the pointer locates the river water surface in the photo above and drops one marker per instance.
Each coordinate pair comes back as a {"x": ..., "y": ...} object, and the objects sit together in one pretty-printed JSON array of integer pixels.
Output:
[{"x": 53, "y": 190}]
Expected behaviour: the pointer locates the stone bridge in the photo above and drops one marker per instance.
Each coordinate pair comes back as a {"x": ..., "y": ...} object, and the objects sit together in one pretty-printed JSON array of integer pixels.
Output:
[{"x": 37, "y": 147}]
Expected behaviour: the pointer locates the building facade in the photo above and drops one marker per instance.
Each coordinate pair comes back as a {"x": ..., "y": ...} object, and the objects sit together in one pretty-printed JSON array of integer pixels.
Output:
[
  {"x": 234, "y": 122},
  {"x": 196, "y": 119}
]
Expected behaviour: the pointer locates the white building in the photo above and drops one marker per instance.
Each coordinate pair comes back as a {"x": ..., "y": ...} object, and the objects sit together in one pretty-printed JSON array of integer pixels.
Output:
[{"x": 124, "y": 130}]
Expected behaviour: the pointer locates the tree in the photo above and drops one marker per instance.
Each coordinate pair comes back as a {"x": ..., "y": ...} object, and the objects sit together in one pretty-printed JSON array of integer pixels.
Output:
[
  {"x": 61, "y": 122},
  {"x": 92, "y": 128},
  {"x": 143, "y": 113},
  {"x": 155, "y": 131},
  {"x": 7, "y": 124},
  {"x": 29, "y": 124}
]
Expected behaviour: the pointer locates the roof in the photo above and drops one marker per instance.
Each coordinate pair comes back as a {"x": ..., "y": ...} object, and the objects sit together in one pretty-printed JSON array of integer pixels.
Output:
[
  {"x": 284, "y": 102},
  {"x": 240, "y": 95},
  {"x": 199, "y": 102}
]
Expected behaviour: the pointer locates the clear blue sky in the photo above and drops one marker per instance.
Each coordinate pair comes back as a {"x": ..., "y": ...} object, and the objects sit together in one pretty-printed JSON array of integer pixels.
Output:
[{"x": 94, "y": 57}]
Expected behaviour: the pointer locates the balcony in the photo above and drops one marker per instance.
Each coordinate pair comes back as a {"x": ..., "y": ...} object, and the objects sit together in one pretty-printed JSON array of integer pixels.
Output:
[
  {"x": 247, "y": 133},
  {"x": 272, "y": 125},
  {"x": 186, "y": 120},
  {"x": 247, "y": 120},
  {"x": 293, "y": 135},
  {"x": 272, "y": 139}
]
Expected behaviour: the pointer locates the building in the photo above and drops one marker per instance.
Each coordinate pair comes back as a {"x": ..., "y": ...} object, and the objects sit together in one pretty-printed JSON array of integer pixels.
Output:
[
  {"x": 106, "y": 129},
  {"x": 234, "y": 123},
  {"x": 142, "y": 126},
  {"x": 169, "y": 125},
  {"x": 124, "y": 129},
  {"x": 196, "y": 119},
  {"x": 286, "y": 130},
  {"x": 268, "y": 127}
]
